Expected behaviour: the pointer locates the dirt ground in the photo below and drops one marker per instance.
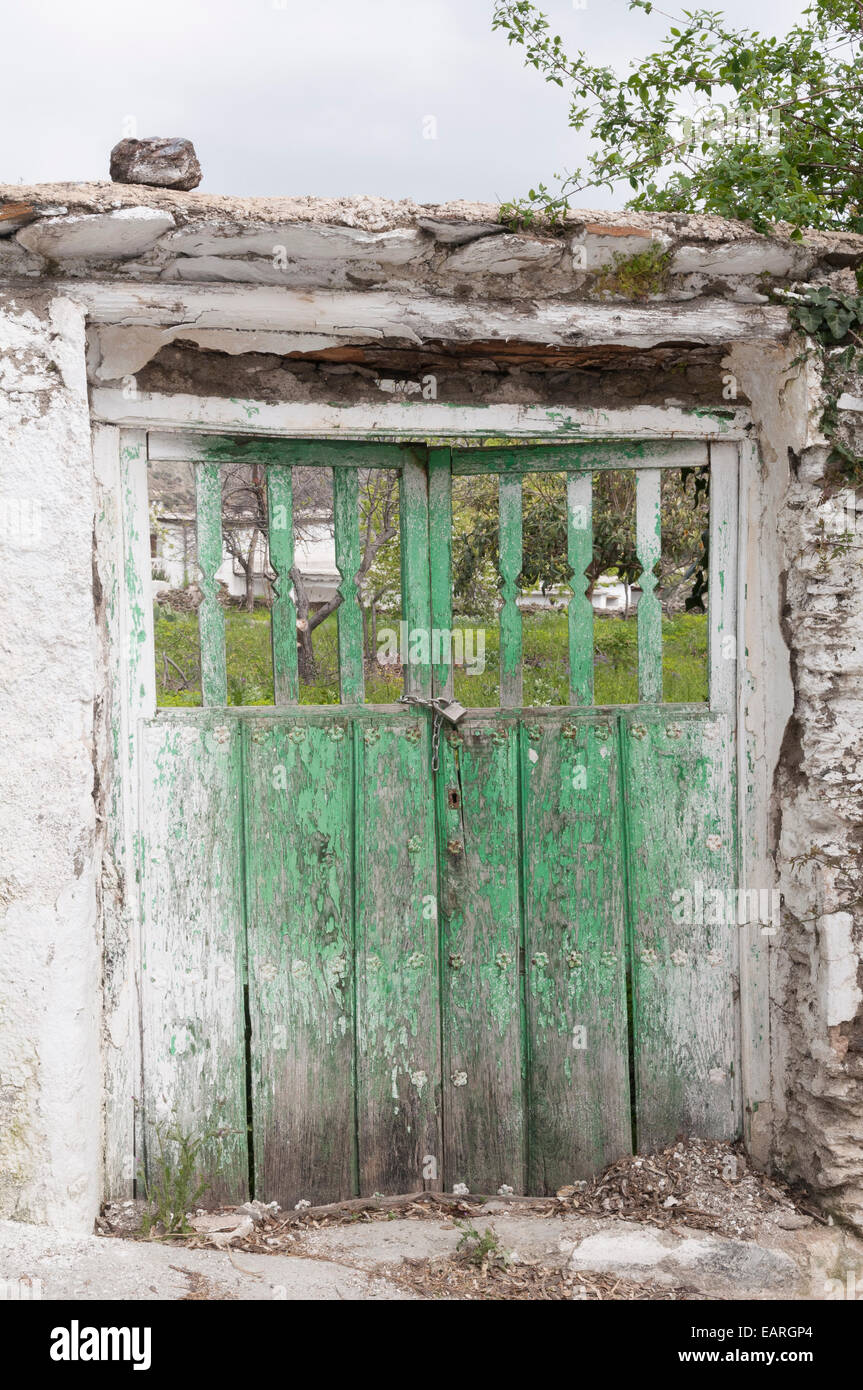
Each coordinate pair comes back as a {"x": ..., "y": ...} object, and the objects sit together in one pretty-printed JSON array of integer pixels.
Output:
[{"x": 694, "y": 1221}]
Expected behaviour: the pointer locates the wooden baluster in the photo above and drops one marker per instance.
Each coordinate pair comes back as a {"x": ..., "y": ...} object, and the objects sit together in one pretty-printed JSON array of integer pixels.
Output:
[
  {"x": 579, "y": 531},
  {"x": 416, "y": 583},
  {"x": 440, "y": 558},
  {"x": 509, "y": 566},
  {"x": 648, "y": 527},
  {"x": 722, "y": 587},
  {"x": 350, "y": 620},
  {"x": 211, "y": 615},
  {"x": 280, "y": 504}
]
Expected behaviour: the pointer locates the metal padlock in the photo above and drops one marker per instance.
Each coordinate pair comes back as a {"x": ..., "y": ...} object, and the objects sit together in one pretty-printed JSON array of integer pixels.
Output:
[{"x": 451, "y": 710}]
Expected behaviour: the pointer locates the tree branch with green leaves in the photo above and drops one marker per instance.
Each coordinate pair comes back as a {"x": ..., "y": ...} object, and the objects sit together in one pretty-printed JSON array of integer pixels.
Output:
[{"x": 717, "y": 119}]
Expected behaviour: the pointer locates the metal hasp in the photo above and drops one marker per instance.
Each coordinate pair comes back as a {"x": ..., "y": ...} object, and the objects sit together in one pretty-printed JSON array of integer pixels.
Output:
[{"x": 442, "y": 709}]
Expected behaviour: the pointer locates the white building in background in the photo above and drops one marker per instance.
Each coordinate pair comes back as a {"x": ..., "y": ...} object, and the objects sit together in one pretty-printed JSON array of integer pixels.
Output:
[
  {"x": 172, "y": 548},
  {"x": 173, "y": 553},
  {"x": 611, "y": 597},
  {"x": 614, "y": 596}
]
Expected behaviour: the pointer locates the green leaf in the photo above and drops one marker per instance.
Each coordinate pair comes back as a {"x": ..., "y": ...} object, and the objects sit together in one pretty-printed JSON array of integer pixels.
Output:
[{"x": 811, "y": 178}]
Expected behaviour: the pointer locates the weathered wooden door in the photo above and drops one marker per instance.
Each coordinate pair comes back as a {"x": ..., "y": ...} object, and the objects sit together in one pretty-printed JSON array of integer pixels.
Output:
[{"x": 378, "y": 976}]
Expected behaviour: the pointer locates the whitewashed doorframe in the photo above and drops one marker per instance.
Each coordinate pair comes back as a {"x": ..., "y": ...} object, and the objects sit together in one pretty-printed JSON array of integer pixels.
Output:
[{"x": 127, "y": 432}]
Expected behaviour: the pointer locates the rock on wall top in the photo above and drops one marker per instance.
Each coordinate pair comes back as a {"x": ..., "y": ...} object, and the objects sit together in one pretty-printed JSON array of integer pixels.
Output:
[{"x": 156, "y": 162}]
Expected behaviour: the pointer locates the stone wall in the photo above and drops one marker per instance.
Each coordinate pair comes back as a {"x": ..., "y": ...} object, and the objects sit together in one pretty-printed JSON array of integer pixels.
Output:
[
  {"x": 818, "y": 810},
  {"x": 364, "y": 303},
  {"x": 804, "y": 638}
]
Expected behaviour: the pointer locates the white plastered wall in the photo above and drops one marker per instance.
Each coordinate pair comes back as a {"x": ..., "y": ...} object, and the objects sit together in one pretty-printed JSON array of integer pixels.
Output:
[{"x": 50, "y": 956}]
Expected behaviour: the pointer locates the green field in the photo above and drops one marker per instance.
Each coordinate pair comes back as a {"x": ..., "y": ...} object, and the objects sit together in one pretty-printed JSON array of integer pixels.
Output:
[{"x": 250, "y": 675}]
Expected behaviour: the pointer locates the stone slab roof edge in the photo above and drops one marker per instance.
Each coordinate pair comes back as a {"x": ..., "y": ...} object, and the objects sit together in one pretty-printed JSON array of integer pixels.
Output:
[{"x": 374, "y": 214}]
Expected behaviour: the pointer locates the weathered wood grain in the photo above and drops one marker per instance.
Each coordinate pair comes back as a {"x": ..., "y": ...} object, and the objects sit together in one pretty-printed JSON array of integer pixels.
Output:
[
  {"x": 579, "y": 531},
  {"x": 193, "y": 954},
  {"x": 283, "y": 614},
  {"x": 722, "y": 586},
  {"x": 299, "y": 852},
  {"x": 509, "y": 569},
  {"x": 416, "y": 318},
  {"x": 416, "y": 580},
  {"x": 211, "y": 617},
  {"x": 679, "y": 809},
  {"x": 648, "y": 522},
  {"x": 575, "y": 949},
  {"x": 306, "y": 453},
  {"x": 346, "y": 519},
  {"x": 180, "y": 427},
  {"x": 440, "y": 561},
  {"x": 121, "y": 536},
  {"x": 484, "y": 1060},
  {"x": 585, "y": 456},
  {"x": 755, "y": 865},
  {"x": 437, "y": 974},
  {"x": 398, "y": 1025}
]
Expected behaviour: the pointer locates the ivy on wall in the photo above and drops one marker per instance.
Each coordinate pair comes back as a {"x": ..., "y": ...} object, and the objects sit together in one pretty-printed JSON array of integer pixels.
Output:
[{"x": 833, "y": 323}]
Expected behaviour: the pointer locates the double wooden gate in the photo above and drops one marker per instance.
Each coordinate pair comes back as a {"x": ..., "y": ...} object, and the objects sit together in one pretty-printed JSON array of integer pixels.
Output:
[{"x": 377, "y": 978}]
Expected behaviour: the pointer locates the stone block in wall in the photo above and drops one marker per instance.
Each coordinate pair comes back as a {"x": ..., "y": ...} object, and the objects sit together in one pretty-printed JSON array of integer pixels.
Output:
[
  {"x": 744, "y": 258},
  {"x": 110, "y": 235}
]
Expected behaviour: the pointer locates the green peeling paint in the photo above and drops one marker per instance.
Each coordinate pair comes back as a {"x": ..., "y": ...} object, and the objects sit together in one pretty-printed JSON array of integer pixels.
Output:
[{"x": 474, "y": 976}]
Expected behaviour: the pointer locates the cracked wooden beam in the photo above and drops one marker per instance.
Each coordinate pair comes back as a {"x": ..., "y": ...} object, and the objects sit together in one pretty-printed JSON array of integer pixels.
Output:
[{"x": 331, "y": 317}]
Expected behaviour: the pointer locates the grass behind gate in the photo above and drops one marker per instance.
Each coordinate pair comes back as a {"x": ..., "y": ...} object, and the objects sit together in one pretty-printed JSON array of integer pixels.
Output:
[{"x": 544, "y": 645}]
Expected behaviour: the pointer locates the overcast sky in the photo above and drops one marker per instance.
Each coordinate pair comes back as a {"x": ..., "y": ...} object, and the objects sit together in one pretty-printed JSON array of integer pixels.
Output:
[{"x": 310, "y": 96}]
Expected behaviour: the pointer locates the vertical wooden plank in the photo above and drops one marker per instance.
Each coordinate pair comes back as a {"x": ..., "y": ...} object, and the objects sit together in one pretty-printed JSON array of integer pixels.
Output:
[
  {"x": 576, "y": 950},
  {"x": 416, "y": 582},
  {"x": 138, "y": 700},
  {"x": 398, "y": 1024},
  {"x": 648, "y": 524},
  {"x": 509, "y": 567},
  {"x": 754, "y": 941},
  {"x": 211, "y": 617},
  {"x": 280, "y": 505},
  {"x": 679, "y": 816},
  {"x": 440, "y": 561},
  {"x": 137, "y": 612},
  {"x": 483, "y": 1059},
  {"x": 722, "y": 585},
  {"x": 119, "y": 890},
  {"x": 349, "y": 616},
  {"x": 193, "y": 957},
  {"x": 755, "y": 866},
  {"x": 300, "y": 943},
  {"x": 579, "y": 530}
]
